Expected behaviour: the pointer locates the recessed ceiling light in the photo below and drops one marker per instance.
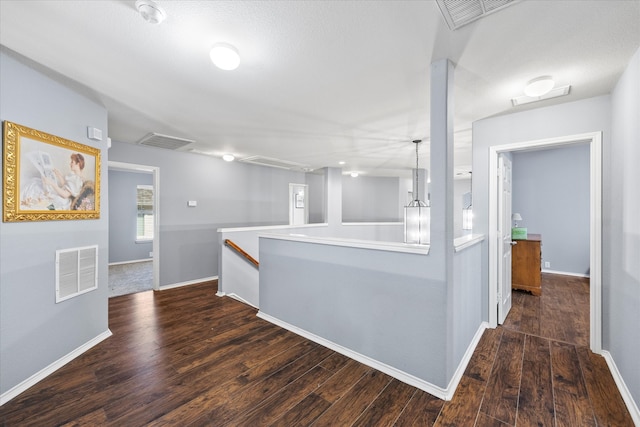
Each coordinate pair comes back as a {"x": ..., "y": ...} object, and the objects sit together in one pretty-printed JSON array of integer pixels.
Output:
[
  {"x": 228, "y": 158},
  {"x": 354, "y": 174},
  {"x": 225, "y": 56},
  {"x": 341, "y": 163},
  {"x": 150, "y": 11},
  {"x": 539, "y": 86}
]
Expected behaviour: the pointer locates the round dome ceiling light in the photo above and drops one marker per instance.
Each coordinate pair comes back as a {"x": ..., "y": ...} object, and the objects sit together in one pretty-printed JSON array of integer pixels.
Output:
[
  {"x": 151, "y": 11},
  {"x": 228, "y": 158},
  {"x": 539, "y": 86},
  {"x": 225, "y": 56}
]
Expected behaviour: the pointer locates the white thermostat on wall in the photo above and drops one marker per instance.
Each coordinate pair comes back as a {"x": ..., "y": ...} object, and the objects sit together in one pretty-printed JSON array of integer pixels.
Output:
[{"x": 192, "y": 203}]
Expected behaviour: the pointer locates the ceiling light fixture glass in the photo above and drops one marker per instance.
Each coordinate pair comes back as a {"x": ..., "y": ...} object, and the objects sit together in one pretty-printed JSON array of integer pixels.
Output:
[
  {"x": 228, "y": 158},
  {"x": 225, "y": 56},
  {"x": 417, "y": 216},
  {"x": 151, "y": 11},
  {"x": 539, "y": 86},
  {"x": 354, "y": 174}
]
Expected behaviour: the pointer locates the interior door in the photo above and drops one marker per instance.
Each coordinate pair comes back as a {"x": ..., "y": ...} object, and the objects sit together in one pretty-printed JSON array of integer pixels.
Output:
[
  {"x": 504, "y": 236},
  {"x": 298, "y": 204}
]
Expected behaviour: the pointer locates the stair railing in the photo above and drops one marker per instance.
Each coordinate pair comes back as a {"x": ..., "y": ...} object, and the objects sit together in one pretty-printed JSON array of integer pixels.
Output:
[{"x": 239, "y": 250}]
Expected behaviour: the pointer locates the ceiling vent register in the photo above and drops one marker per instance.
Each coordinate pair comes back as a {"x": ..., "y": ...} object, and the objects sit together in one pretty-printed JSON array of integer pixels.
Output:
[
  {"x": 164, "y": 141},
  {"x": 274, "y": 163},
  {"x": 458, "y": 13}
]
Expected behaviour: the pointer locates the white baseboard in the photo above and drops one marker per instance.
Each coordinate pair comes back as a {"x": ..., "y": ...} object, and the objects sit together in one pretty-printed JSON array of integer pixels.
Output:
[
  {"x": 624, "y": 391},
  {"x": 134, "y": 261},
  {"x": 462, "y": 366},
  {"x": 565, "y": 273},
  {"x": 187, "y": 283},
  {"x": 432, "y": 389},
  {"x": 42, "y": 374},
  {"x": 235, "y": 297}
]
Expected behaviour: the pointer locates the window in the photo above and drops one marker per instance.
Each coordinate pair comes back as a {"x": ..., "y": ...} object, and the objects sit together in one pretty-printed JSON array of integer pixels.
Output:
[{"x": 144, "y": 222}]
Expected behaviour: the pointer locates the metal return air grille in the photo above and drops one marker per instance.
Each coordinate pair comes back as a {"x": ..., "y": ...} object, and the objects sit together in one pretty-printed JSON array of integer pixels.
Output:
[
  {"x": 274, "y": 163},
  {"x": 461, "y": 12},
  {"x": 164, "y": 141}
]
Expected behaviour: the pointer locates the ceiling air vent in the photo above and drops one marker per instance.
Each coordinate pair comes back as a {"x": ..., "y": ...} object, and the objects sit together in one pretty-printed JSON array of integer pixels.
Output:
[
  {"x": 274, "y": 163},
  {"x": 164, "y": 141},
  {"x": 458, "y": 13}
]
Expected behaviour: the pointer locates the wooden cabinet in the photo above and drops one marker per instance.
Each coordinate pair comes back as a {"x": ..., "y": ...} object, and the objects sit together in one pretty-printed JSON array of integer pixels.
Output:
[{"x": 525, "y": 264}]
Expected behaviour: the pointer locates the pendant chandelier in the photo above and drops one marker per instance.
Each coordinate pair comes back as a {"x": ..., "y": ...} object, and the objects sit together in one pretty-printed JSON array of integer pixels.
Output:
[{"x": 416, "y": 213}]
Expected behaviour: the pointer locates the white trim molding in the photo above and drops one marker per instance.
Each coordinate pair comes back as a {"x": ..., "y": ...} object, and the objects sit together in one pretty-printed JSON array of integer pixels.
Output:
[
  {"x": 235, "y": 297},
  {"x": 595, "y": 212},
  {"x": 43, "y": 373},
  {"x": 439, "y": 392},
  {"x": 624, "y": 391},
  {"x": 187, "y": 283},
  {"x": 565, "y": 273}
]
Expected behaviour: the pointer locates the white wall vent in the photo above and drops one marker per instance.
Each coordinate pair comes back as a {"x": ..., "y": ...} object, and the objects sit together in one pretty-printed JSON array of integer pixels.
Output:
[
  {"x": 164, "y": 141},
  {"x": 458, "y": 13},
  {"x": 76, "y": 271}
]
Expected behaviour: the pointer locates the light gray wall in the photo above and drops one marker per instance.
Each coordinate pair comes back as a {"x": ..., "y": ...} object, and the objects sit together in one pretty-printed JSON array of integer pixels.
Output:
[
  {"x": 370, "y": 199},
  {"x": 35, "y": 332},
  {"x": 551, "y": 192},
  {"x": 621, "y": 263},
  {"x": 589, "y": 115},
  {"x": 460, "y": 187},
  {"x": 385, "y": 305},
  {"x": 123, "y": 213},
  {"x": 617, "y": 117},
  {"x": 316, "y": 180},
  {"x": 228, "y": 195}
]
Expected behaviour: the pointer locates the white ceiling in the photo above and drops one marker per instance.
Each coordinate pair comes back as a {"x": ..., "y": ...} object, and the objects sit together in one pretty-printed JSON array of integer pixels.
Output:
[{"x": 320, "y": 81}]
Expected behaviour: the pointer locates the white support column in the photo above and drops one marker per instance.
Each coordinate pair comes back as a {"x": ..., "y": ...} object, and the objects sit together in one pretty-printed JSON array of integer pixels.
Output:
[
  {"x": 333, "y": 185},
  {"x": 442, "y": 163}
]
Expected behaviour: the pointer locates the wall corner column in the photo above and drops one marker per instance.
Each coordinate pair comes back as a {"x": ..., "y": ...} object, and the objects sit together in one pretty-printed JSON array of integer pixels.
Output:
[{"x": 333, "y": 204}]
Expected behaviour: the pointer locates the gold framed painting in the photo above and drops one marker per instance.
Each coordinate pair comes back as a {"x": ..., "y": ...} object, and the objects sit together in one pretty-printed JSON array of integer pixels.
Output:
[{"x": 48, "y": 178}]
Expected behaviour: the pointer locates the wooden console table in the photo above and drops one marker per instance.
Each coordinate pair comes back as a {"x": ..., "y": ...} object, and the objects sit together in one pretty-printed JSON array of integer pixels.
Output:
[{"x": 525, "y": 264}]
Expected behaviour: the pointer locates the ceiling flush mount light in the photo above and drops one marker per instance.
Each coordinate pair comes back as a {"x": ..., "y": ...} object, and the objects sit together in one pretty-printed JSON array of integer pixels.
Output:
[
  {"x": 151, "y": 11},
  {"x": 416, "y": 214},
  {"x": 228, "y": 158},
  {"x": 225, "y": 56},
  {"x": 539, "y": 86},
  {"x": 354, "y": 174}
]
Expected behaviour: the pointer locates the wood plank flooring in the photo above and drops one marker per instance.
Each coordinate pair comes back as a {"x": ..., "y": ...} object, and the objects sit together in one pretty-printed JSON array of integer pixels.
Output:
[{"x": 186, "y": 357}]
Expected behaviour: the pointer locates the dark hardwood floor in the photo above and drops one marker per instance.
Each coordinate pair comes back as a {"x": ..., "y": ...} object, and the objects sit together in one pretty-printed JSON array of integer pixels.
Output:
[{"x": 186, "y": 357}]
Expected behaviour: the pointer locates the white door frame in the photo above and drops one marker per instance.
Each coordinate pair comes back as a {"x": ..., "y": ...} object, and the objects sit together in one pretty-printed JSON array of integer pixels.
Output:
[
  {"x": 595, "y": 212},
  {"x": 292, "y": 201},
  {"x": 155, "y": 171}
]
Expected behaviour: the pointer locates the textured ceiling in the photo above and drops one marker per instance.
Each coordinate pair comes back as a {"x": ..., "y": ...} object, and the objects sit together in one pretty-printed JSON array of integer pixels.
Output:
[{"x": 320, "y": 81}]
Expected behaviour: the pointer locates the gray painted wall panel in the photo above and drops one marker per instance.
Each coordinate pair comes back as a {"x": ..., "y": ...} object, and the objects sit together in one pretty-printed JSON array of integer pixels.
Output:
[
  {"x": 622, "y": 292},
  {"x": 317, "y": 192},
  {"x": 123, "y": 211},
  {"x": 370, "y": 199},
  {"x": 380, "y": 304},
  {"x": 228, "y": 195},
  {"x": 589, "y": 115},
  {"x": 35, "y": 332},
  {"x": 551, "y": 192}
]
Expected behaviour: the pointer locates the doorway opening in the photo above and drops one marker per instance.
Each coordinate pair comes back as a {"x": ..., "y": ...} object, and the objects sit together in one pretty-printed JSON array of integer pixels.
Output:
[
  {"x": 594, "y": 140},
  {"x": 298, "y": 204},
  {"x": 154, "y": 214}
]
